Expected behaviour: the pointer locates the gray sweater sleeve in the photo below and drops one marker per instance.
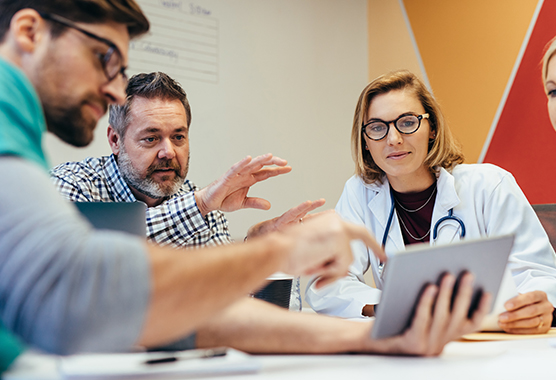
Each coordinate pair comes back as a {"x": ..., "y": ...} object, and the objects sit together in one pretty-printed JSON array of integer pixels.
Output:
[{"x": 65, "y": 287}]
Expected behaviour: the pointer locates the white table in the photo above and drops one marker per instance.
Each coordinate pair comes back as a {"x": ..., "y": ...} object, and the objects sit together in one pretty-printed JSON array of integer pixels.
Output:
[{"x": 520, "y": 359}]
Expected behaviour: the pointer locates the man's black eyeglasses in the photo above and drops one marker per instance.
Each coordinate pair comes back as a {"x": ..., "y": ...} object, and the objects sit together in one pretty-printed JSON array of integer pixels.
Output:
[{"x": 111, "y": 60}]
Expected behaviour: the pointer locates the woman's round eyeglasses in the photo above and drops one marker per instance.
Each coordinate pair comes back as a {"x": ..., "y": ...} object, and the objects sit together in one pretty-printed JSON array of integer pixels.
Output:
[{"x": 406, "y": 124}]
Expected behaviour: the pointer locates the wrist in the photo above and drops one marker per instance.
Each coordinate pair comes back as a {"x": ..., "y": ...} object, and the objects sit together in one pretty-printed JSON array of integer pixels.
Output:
[
  {"x": 262, "y": 228},
  {"x": 361, "y": 340},
  {"x": 252, "y": 232},
  {"x": 203, "y": 209}
]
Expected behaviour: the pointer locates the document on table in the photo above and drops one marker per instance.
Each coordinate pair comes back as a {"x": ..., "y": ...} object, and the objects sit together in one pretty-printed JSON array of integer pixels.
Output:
[
  {"x": 487, "y": 336},
  {"x": 114, "y": 366}
]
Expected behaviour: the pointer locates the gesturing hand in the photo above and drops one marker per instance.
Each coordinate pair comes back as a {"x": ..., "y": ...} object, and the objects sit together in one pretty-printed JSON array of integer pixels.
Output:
[
  {"x": 229, "y": 192},
  {"x": 292, "y": 216},
  {"x": 321, "y": 247}
]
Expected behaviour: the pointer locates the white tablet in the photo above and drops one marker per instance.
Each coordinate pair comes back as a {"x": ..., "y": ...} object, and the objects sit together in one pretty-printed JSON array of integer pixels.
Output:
[{"x": 407, "y": 273}]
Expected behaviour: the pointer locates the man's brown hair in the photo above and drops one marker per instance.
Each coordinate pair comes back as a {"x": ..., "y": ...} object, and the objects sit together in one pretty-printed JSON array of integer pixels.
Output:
[{"x": 125, "y": 12}]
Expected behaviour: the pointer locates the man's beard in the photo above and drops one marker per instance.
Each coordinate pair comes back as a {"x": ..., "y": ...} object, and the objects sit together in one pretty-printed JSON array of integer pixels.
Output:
[
  {"x": 63, "y": 110},
  {"x": 68, "y": 123},
  {"x": 147, "y": 185}
]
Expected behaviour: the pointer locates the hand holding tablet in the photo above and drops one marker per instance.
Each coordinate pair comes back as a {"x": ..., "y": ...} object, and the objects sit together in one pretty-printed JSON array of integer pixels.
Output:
[{"x": 409, "y": 274}]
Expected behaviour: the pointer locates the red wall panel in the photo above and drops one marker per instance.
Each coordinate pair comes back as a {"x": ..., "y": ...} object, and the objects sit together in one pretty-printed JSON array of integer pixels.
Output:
[{"x": 524, "y": 141}]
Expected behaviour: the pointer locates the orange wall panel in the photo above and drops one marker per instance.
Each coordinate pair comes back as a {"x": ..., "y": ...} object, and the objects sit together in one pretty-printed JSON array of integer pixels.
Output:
[
  {"x": 390, "y": 44},
  {"x": 468, "y": 50}
]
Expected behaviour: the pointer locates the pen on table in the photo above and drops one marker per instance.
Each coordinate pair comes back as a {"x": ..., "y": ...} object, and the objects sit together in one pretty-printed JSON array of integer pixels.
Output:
[{"x": 187, "y": 355}]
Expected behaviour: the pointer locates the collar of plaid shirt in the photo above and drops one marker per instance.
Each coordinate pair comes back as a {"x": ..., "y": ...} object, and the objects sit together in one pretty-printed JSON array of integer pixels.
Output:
[{"x": 117, "y": 186}]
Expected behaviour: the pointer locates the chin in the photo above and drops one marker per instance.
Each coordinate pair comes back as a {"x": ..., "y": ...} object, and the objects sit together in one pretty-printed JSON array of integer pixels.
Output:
[
  {"x": 77, "y": 140},
  {"x": 74, "y": 134},
  {"x": 81, "y": 140}
]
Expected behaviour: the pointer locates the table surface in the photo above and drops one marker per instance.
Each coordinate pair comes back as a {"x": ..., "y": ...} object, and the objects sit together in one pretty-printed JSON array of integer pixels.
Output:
[{"x": 515, "y": 359}]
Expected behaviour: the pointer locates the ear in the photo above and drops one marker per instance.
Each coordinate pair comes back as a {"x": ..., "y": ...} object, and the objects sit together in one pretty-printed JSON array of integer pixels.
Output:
[
  {"x": 27, "y": 30},
  {"x": 114, "y": 140},
  {"x": 432, "y": 135}
]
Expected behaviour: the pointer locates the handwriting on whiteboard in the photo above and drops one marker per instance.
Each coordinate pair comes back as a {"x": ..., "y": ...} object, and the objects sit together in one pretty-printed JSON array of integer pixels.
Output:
[{"x": 182, "y": 41}]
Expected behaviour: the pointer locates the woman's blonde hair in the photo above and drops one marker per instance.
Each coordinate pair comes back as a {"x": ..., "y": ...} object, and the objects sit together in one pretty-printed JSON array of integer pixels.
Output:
[
  {"x": 444, "y": 151},
  {"x": 549, "y": 52}
]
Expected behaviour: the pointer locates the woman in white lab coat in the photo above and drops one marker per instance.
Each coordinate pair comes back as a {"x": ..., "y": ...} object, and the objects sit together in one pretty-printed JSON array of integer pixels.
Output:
[{"x": 406, "y": 156}]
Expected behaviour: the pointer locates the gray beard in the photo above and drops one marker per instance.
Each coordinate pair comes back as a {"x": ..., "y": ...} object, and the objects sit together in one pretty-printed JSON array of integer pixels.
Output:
[{"x": 147, "y": 186}]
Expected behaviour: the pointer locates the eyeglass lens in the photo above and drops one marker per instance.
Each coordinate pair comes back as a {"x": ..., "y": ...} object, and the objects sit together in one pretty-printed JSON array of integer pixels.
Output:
[
  {"x": 111, "y": 60},
  {"x": 112, "y": 63}
]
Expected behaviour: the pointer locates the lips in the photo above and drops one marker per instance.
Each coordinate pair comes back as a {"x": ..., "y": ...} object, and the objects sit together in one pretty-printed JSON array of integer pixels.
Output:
[
  {"x": 164, "y": 171},
  {"x": 398, "y": 155},
  {"x": 164, "y": 167}
]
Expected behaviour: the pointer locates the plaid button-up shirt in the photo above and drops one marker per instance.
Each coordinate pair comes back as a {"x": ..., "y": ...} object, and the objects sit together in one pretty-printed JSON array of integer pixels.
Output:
[{"x": 176, "y": 222}]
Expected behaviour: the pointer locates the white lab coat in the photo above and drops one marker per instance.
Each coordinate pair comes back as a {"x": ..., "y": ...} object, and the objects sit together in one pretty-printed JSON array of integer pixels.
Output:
[{"x": 487, "y": 199}]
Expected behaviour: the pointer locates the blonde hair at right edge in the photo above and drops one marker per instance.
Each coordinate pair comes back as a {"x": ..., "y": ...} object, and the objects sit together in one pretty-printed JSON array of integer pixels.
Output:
[
  {"x": 550, "y": 50},
  {"x": 444, "y": 150}
]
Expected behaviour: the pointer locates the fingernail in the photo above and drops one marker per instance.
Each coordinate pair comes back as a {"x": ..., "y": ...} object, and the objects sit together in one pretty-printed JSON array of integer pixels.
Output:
[
  {"x": 509, "y": 305},
  {"x": 468, "y": 280},
  {"x": 503, "y": 317}
]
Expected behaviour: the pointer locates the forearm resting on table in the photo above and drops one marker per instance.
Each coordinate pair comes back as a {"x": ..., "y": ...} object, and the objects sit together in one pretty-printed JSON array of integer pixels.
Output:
[
  {"x": 190, "y": 286},
  {"x": 257, "y": 327}
]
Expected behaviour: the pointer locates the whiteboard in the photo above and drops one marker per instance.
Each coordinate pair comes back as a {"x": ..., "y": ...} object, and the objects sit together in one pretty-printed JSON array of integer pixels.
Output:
[{"x": 279, "y": 76}]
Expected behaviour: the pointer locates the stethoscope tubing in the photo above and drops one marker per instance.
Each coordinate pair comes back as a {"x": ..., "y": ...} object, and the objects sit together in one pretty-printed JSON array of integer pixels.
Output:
[{"x": 450, "y": 216}]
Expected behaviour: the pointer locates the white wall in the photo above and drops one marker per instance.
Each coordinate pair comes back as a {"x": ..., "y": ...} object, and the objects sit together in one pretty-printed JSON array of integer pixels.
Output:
[{"x": 279, "y": 76}]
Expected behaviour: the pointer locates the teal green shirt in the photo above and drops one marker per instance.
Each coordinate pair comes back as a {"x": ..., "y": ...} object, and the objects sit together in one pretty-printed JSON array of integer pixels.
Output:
[
  {"x": 22, "y": 126},
  {"x": 22, "y": 122},
  {"x": 10, "y": 348}
]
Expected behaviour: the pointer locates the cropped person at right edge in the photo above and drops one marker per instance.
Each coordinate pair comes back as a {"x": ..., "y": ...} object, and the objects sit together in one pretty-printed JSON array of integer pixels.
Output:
[{"x": 409, "y": 169}]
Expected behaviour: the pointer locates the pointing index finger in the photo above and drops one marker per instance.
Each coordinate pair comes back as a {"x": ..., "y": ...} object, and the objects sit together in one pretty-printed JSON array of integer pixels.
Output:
[{"x": 359, "y": 232}]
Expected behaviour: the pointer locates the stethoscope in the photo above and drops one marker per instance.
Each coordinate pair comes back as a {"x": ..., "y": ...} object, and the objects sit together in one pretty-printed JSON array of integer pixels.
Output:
[{"x": 450, "y": 216}]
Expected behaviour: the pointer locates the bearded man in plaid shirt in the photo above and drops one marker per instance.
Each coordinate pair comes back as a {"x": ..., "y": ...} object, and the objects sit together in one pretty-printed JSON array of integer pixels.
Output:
[{"x": 149, "y": 138}]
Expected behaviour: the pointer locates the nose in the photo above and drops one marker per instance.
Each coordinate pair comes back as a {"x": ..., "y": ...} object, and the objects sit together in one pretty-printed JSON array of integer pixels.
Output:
[
  {"x": 166, "y": 151},
  {"x": 114, "y": 91},
  {"x": 393, "y": 137}
]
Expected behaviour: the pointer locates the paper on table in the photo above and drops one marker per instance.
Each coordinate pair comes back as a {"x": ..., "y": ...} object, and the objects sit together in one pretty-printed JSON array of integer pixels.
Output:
[
  {"x": 507, "y": 291},
  {"x": 483, "y": 336},
  {"x": 115, "y": 366}
]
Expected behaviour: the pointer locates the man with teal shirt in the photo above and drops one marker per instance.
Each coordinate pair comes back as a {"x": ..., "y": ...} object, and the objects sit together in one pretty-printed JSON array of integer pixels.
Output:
[{"x": 66, "y": 288}]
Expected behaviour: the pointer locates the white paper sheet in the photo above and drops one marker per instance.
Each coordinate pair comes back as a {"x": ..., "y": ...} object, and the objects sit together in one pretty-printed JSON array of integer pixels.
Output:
[{"x": 117, "y": 366}]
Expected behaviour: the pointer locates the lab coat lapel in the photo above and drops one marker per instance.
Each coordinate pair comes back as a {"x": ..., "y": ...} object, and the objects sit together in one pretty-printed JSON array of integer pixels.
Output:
[
  {"x": 380, "y": 206},
  {"x": 446, "y": 199}
]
